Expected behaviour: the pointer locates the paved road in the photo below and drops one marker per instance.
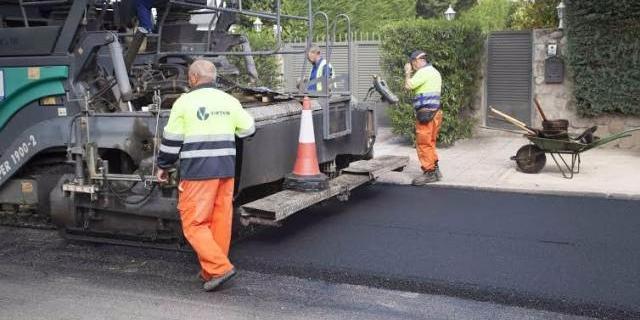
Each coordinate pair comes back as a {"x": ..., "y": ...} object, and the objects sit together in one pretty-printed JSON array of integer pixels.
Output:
[
  {"x": 44, "y": 277},
  {"x": 576, "y": 255}
]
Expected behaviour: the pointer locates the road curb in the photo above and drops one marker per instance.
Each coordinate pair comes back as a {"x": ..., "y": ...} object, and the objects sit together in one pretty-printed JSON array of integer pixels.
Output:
[{"x": 571, "y": 193}]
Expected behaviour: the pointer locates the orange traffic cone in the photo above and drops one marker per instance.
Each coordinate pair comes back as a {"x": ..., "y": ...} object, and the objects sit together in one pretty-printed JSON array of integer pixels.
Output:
[{"x": 306, "y": 175}]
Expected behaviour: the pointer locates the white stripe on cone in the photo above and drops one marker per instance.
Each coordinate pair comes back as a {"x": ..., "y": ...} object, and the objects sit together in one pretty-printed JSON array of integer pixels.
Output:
[{"x": 306, "y": 128}]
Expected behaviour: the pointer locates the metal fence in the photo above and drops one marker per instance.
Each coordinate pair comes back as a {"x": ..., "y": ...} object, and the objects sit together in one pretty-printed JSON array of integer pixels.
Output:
[{"x": 365, "y": 63}]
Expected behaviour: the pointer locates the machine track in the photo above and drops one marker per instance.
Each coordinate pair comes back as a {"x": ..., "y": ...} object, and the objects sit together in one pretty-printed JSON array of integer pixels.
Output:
[
  {"x": 25, "y": 219},
  {"x": 40, "y": 169}
]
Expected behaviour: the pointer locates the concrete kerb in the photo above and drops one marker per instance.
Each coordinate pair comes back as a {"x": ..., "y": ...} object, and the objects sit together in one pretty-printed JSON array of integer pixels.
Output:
[{"x": 588, "y": 194}]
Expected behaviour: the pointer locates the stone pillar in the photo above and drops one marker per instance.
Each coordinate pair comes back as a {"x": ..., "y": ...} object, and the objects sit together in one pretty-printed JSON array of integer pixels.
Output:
[{"x": 558, "y": 101}]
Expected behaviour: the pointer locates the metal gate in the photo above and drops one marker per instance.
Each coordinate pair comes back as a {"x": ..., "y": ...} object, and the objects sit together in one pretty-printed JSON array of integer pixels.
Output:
[{"x": 509, "y": 76}]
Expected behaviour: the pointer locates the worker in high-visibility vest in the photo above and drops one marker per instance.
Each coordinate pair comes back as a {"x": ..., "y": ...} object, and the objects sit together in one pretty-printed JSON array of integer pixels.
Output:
[
  {"x": 320, "y": 70},
  {"x": 201, "y": 133},
  {"x": 426, "y": 84}
]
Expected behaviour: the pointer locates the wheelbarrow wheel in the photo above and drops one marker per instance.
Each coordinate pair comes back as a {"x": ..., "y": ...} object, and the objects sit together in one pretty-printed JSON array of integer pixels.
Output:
[{"x": 530, "y": 159}]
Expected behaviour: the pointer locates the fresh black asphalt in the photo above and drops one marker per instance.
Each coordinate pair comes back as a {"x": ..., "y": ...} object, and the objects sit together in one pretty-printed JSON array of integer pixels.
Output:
[{"x": 570, "y": 254}]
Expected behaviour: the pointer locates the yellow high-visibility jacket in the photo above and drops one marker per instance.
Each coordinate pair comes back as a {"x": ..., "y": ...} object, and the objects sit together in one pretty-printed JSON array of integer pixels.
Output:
[
  {"x": 201, "y": 132},
  {"x": 426, "y": 83}
]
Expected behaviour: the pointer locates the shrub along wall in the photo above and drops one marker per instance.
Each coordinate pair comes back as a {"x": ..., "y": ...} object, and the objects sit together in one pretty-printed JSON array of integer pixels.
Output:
[
  {"x": 455, "y": 49},
  {"x": 267, "y": 66},
  {"x": 604, "y": 54}
]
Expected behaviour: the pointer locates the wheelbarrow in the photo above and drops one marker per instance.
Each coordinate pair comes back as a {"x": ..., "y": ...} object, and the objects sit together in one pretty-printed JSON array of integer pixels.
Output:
[
  {"x": 554, "y": 140},
  {"x": 531, "y": 158}
]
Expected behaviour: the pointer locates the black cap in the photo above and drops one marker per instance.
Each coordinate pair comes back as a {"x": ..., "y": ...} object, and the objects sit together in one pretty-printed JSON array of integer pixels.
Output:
[{"x": 418, "y": 54}]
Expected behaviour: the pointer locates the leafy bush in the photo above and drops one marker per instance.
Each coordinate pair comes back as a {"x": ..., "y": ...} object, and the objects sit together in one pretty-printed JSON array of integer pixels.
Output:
[
  {"x": 267, "y": 66},
  {"x": 455, "y": 49},
  {"x": 604, "y": 54},
  {"x": 537, "y": 14},
  {"x": 436, "y": 8}
]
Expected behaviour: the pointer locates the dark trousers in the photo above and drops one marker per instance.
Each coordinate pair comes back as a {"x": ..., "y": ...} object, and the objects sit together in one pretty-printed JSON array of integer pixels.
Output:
[{"x": 143, "y": 8}]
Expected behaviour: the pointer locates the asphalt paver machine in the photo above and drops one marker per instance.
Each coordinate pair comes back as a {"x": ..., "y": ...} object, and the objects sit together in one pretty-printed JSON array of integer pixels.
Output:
[{"x": 83, "y": 101}]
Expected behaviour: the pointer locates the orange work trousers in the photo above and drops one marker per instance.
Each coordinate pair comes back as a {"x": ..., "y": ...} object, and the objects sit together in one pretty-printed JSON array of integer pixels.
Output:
[
  {"x": 426, "y": 136},
  {"x": 206, "y": 209}
]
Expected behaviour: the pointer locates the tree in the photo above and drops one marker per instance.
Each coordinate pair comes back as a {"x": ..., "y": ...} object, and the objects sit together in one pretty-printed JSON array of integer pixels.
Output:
[
  {"x": 366, "y": 16},
  {"x": 534, "y": 15},
  {"x": 464, "y": 5},
  {"x": 436, "y": 8}
]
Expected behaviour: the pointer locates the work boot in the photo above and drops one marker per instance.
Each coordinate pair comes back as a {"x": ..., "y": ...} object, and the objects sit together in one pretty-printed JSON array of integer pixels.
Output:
[
  {"x": 201, "y": 277},
  {"x": 216, "y": 282},
  {"x": 426, "y": 177},
  {"x": 438, "y": 173}
]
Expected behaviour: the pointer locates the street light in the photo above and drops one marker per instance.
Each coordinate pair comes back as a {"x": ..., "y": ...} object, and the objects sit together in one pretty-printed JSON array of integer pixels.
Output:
[
  {"x": 560, "y": 9},
  {"x": 257, "y": 24},
  {"x": 450, "y": 13}
]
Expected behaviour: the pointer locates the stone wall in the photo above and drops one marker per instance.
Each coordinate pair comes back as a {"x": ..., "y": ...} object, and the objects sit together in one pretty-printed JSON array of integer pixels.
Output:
[
  {"x": 479, "y": 111},
  {"x": 558, "y": 102}
]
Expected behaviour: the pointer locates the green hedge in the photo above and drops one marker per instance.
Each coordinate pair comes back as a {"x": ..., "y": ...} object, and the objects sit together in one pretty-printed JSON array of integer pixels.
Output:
[
  {"x": 604, "y": 53},
  {"x": 455, "y": 49}
]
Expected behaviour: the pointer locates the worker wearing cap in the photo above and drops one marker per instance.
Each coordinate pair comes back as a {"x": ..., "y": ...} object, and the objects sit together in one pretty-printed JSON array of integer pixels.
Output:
[
  {"x": 201, "y": 133},
  {"x": 321, "y": 71},
  {"x": 426, "y": 85}
]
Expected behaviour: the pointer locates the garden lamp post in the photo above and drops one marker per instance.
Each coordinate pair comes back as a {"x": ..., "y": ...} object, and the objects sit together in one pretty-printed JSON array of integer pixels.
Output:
[
  {"x": 560, "y": 9},
  {"x": 450, "y": 13},
  {"x": 257, "y": 24}
]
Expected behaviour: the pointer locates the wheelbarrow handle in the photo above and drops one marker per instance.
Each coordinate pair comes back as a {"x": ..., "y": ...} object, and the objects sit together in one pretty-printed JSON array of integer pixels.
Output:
[
  {"x": 613, "y": 137},
  {"x": 513, "y": 121},
  {"x": 539, "y": 107}
]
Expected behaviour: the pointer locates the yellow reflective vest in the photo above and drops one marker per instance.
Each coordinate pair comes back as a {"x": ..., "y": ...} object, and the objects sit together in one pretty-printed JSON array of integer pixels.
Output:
[
  {"x": 319, "y": 71},
  {"x": 426, "y": 83},
  {"x": 201, "y": 132}
]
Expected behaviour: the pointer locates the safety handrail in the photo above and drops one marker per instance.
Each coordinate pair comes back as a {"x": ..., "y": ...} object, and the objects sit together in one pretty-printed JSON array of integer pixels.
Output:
[
  {"x": 327, "y": 134},
  {"x": 23, "y": 4},
  {"x": 326, "y": 94},
  {"x": 24, "y": 13},
  {"x": 349, "y": 47},
  {"x": 270, "y": 16},
  {"x": 325, "y": 80}
]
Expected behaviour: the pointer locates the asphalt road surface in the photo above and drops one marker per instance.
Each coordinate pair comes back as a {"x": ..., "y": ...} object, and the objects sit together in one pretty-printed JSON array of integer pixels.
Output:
[
  {"x": 45, "y": 277},
  {"x": 568, "y": 254},
  {"x": 448, "y": 253}
]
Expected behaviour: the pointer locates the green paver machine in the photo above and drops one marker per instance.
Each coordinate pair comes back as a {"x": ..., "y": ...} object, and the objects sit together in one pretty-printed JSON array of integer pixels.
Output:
[{"x": 83, "y": 105}]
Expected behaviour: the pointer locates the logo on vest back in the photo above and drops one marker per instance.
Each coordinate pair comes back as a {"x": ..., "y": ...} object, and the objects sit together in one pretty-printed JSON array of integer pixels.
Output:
[{"x": 202, "y": 114}]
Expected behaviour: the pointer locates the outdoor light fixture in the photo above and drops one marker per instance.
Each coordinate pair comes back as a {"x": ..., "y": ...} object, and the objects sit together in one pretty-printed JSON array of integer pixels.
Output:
[
  {"x": 257, "y": 24},
  {"x": 450, "y": 13},
  {"x": 560, "y": 9}
]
